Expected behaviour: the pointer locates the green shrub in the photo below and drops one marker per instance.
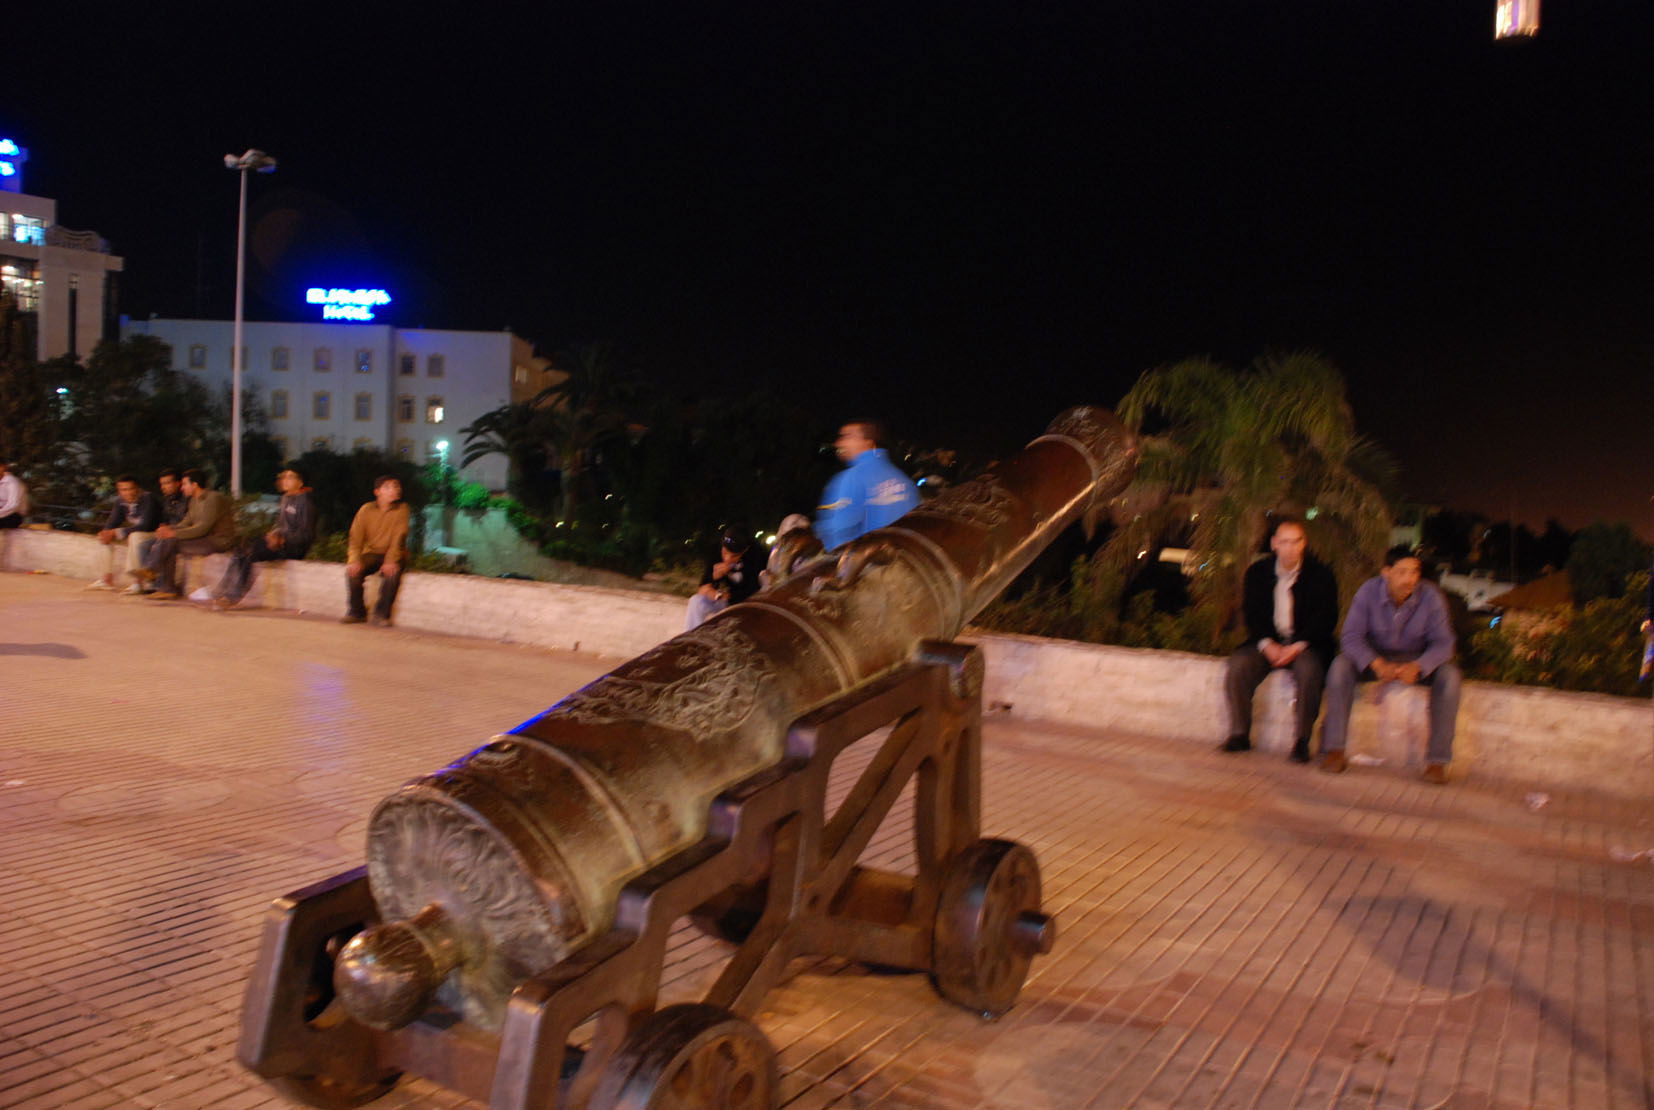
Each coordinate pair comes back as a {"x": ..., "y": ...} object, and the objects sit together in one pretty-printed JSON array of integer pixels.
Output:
[{"x": 1596, "y": 649}]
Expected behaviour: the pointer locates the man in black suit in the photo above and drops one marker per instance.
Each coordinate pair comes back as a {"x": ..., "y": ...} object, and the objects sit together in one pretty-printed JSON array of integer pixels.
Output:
[{"x": 1291, "y": 607}]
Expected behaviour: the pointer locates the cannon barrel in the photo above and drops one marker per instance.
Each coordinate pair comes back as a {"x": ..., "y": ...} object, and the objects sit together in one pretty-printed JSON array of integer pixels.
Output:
[{"x": 498, "y": 866}]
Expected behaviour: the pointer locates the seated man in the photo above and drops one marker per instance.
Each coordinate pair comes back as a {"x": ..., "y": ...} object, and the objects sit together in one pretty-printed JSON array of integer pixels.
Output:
[
  {"x": 173, "y": 507},
  {"x": 378, "y": 542},
  {"x": 1397, "y": 630},
  {"x": 14, "y": 498},
  {"x": 1290, "y": 604},
  {"x": 731, "y": 578},
  {"x": 131, "y": 525},
  {"x": 208, "y": 526},
  {"x": 294, "y": 531}
]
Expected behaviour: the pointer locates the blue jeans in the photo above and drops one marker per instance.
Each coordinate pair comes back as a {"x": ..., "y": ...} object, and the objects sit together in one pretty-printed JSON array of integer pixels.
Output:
[{"x": 1444, "y": 683}]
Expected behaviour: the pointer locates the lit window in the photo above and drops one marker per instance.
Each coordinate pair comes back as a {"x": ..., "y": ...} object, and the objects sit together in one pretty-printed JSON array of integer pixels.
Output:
[
  {"x": 20, "y": 281},
  {"x": 520, "y": 375},
  {"x": 278, "y": 358},
  {"x": 433, "y": 410},
  {"x": 364, "y": 406},
  {"x": 405, "y": 408},
  {"x": 406, "y": 365},
  {"x": 364, "y": 360},
  {"x": 27, "y": 229},
  {"x": 324, "y": 358},
  {"x": 198, "y": 356},
  {"x": 278, "y": 404},
  {"x": 435, "y": 366},
  {"x": 321, "y": 405}
]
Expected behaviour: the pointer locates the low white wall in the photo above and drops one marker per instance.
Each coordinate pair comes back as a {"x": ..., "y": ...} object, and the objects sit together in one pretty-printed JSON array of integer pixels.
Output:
[{"x": 1522, "y": 733}]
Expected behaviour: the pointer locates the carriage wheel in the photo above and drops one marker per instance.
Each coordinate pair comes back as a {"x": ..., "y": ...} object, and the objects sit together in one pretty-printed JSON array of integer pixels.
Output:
[
  {"x": 691, "y": 1057},
  {"x": 989, "y": 926}
]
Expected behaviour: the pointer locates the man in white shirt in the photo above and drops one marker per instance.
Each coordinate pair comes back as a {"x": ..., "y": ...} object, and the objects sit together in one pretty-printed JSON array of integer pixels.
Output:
[{"x": 14, "y": 498}]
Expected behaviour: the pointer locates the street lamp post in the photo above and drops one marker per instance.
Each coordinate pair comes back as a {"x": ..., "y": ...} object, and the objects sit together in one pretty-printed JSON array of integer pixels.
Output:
[{"x": 255, "y": 161}]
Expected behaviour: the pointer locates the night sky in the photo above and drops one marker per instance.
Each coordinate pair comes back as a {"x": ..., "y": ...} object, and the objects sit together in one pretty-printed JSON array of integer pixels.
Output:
[{"x": 964, "y": 216}]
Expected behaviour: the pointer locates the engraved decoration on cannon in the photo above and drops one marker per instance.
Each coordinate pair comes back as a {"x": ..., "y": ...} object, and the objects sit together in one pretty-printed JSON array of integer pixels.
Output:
[{"x": 526, "y": 892}]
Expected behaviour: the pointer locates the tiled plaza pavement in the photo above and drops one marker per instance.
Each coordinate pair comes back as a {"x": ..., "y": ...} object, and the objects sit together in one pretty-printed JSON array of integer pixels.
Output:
[{"x": 1234, "y": 931}]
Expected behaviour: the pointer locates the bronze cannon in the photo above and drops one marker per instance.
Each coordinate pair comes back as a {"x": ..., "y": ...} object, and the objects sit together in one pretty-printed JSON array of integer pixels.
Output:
[{"x": 527, "y": 889}]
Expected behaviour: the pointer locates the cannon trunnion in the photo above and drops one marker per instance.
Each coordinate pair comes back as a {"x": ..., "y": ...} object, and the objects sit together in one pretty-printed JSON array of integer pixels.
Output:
[{"x": 527, "y": 891}]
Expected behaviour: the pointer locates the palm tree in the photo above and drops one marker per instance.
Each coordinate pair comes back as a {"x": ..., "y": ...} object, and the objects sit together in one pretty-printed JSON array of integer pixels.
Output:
[
  {"x": 568, "y": 422},
  {"x": 1225, "y": 450}
]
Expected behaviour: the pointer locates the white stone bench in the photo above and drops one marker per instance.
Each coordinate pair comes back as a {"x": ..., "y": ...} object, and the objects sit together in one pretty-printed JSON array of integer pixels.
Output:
[{"x": 1388, "y": 721}]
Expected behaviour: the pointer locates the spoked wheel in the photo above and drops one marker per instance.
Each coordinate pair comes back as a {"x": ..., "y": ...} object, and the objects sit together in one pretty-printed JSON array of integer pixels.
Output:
[
  {"x": 691, "y": 1057},
  {"x": 989, "y": 926}
]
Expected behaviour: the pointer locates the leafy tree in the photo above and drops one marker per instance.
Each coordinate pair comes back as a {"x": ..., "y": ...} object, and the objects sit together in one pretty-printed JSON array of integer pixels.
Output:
[
  {"x": 341, "y": 484},
  {"x": 28, "y": 415},
  {"x": 566, "y": 426},
  {"x": 1223, "y": 450},
  {"x": 1603, "y": 557},
  {"x": 1449, "y": 535}
]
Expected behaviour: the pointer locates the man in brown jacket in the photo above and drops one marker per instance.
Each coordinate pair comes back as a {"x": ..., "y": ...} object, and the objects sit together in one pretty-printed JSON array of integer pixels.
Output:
[
  {"x": 208, "y": 526},
  {"x": 378, "y": 542}
]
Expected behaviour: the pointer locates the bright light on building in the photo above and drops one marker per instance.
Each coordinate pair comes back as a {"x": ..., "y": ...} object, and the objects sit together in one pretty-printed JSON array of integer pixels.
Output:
[{"x": 1516, "y": 19}]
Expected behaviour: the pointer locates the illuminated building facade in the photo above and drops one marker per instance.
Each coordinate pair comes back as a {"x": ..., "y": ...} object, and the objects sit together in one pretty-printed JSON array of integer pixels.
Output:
[
  {"x": 361, "y": 383},
  {"x": 63, "y": 281},
  {"x": 1515, "y": 19}
]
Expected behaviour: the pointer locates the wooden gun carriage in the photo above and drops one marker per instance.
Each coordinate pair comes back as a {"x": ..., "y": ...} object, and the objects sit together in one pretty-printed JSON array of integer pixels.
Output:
[{"x": 527, "y": 891}]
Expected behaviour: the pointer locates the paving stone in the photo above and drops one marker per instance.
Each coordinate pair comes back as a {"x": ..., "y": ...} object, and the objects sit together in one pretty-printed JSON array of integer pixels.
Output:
[{"x": 1238, "y": 933}]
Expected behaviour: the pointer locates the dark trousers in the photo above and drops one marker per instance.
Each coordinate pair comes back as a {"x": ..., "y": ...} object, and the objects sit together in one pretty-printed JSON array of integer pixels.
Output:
[
  {"x": 1245, "y": 673},
  {"x": 163, "y": 559},
  {"x": 239, "y": 578},
  {"x": 387, "y": 588}
]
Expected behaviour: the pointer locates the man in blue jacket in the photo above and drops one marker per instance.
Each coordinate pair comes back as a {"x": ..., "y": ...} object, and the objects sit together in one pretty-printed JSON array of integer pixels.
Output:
[
  {"x": 1397, "y": 630},
  {"x": 868, "y": 493}
]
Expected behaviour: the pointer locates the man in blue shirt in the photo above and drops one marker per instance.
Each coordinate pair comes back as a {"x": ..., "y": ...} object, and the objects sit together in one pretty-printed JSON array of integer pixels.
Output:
[
  {"x": 1397, "y": 630},
  {"x": 868, "y": 493}
]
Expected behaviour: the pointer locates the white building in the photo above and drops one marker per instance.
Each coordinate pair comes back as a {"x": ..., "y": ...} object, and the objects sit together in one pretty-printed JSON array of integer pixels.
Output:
[
  {"x": 62, "y": 280},
  {"x": 340, "y": 386}
]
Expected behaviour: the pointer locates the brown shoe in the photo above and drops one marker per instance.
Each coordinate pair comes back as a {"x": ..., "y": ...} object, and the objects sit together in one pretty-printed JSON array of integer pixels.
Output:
[
  {"x": 352, "y": 618},
  {"x": 1436, "y": 773},
  {"x": 162, "y": 595},
  {"x": 1334, "y": 763}
]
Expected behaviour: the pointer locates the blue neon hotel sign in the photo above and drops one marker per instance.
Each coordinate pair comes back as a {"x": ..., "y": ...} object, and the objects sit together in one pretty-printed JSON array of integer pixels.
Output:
[
  {"x": 348, "y": 304},
  {"x": 12, "y": 157}
]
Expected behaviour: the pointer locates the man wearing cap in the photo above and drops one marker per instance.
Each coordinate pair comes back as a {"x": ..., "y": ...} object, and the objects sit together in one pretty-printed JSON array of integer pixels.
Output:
[
  {"x": 868, "y": 493},
  {"x": 731, "y": 578}
]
